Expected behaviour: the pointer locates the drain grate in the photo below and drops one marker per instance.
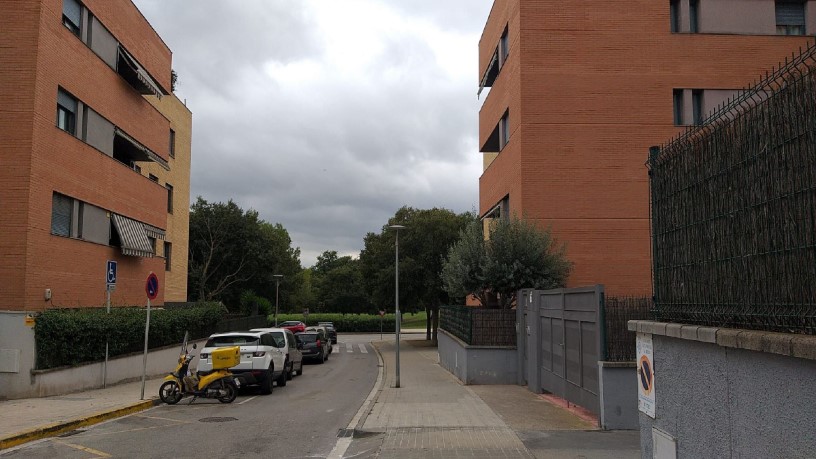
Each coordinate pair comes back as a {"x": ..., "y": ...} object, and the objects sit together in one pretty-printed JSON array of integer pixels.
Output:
[
  {"x": 354, "y": 433},
  {"x": 218, "y": 419},
  {"x": 345, "y": 433}
]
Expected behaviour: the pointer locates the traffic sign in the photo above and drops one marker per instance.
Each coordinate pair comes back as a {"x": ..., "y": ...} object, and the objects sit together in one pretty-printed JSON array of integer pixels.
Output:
[
  {"x": 382, "y": 313},
  {"x": 152, "y": 286},
  {"x": 645, "y": 374},
  {"x": 110, "y": 273}
]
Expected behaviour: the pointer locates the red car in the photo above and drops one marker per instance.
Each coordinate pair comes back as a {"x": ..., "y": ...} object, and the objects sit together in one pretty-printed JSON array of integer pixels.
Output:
[{"x": 294, "y": 326}]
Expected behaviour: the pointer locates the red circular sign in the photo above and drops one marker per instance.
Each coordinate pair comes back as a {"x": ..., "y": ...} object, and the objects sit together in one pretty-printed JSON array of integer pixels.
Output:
[{"x": 152, "y": 286}]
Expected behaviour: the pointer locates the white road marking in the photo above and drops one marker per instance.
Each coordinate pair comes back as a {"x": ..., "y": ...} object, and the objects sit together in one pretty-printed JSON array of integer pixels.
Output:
[
  {"x": 349, "y": 347},
  {"x": 363, "y": 348},
  {"x": 250, "y": 398},
  {"x": 95, "y": 452}
]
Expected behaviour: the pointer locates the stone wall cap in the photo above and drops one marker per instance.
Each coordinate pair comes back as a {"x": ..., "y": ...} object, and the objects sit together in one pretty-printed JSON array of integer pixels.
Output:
[{"x": 789, "y": 344}]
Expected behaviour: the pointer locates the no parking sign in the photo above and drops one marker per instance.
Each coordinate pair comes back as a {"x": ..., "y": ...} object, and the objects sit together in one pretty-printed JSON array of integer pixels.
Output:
[{"x": 645, "y": 374}]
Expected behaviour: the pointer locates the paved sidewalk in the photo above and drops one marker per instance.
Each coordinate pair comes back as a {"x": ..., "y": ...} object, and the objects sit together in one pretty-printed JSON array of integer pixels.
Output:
[{"x": 31, "y": 419}]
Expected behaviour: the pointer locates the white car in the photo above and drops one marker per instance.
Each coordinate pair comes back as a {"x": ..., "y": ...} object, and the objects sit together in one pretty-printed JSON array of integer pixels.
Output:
[
  {"x": 293, "y": 365},
  {"x": 262, "y": 357}
]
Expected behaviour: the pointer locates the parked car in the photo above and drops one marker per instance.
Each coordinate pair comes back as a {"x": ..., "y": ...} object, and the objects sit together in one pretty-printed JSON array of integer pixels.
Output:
[
  {"x": 262, "y": 359},
  {"x": 313, "y": 345},
  {"x": 293, "y": 365},
  {"x": 325, "y": 336},
  {"x": 295, "y": 326},
  {"x": 331, "y": 329}
]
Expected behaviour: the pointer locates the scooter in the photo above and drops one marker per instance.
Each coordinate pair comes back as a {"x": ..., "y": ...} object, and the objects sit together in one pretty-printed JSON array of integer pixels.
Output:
[{"x": 219, "y": 384}]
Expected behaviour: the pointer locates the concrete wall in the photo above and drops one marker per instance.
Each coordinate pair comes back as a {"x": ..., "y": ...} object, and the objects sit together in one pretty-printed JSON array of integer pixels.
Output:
[
  {"x": 718, "y": 401},
  {"x": 618, "y": 395},
  {"x": 17, "y": 353},
  {"x": 477, "y": 364}
]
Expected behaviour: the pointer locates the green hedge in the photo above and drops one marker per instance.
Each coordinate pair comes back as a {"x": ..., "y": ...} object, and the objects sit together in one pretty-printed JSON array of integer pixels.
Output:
[
  {"x": 344, "y": 323},
  {"x": 73, "y": 336}
]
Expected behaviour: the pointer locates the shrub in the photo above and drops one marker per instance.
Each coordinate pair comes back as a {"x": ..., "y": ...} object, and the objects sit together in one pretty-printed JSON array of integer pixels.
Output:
[
  {"x": 344, "y": 323},
  {"x": 73, "y": 336}
]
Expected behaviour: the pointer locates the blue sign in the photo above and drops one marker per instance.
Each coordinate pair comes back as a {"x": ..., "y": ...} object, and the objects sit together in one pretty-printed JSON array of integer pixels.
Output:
[
  {"x": 152, "y": 286},
  {"x": 110, "y": 273}
]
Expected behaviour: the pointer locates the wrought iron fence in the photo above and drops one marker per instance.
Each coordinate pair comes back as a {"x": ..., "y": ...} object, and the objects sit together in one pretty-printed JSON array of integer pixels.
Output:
[
  {"x": 733, "y": 210},
  {"x": 619, "y": 342},
  {"x": 480, "y": 326}
]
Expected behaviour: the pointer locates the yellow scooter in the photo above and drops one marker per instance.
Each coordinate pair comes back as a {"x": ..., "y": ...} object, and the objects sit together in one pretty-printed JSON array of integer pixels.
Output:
[{"x": 219, "y": 384}]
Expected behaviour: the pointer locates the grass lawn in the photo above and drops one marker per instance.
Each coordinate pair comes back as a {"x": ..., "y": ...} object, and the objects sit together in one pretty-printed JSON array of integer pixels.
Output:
[{"x": 414, "y": 320}]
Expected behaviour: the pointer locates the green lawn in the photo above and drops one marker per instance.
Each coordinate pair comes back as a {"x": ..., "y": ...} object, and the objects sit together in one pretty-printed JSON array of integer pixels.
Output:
[{"x": 414, "y": 320}]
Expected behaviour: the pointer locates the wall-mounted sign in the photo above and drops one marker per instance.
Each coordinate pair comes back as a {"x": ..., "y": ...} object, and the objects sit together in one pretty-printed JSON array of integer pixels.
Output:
[{"x": 645, "y": 374}]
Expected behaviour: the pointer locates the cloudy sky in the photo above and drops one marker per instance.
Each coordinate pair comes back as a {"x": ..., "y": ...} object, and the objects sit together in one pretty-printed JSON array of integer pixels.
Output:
[{"x": 328, "y": 115}]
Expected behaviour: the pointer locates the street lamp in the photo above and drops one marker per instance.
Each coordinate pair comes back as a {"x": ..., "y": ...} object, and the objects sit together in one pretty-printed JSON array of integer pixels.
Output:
[
  {"x": 397, "y": 228},
  {"x": 277, "y": 288}
]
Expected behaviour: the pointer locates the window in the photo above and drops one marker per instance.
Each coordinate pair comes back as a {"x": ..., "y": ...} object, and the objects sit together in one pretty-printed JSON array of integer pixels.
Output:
[
  {"x": 172, "y": 143},
  {"x": 168, "y": 255},
  {"x": 62, "y": 209},
  {"x": 169, "y": 198},
  {"x": 677, "y": 96},
  {"x": 72, "y": 15},
  {"x": 674, "y": 15},
  {"x": 694, "y": 16},
  {"x": 790, "y": 17},
  {"x": 504, "y": 131},
  {"x": 152, "y": 243},
  {"x": 66, "y": 112},
  {"x": 504, "y": 48},
  {"x": 697, "y": 105},
  {"x": 153, "y": 177}
]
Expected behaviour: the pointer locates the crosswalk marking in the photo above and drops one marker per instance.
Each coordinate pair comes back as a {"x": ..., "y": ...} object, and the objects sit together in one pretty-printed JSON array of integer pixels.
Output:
[
  {"x": 363, "y": 348},
  {"x": 350, "y": 347}
]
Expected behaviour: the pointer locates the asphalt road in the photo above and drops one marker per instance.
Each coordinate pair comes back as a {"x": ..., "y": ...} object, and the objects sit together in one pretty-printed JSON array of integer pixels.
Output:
[{"x": 300, "y": 420}]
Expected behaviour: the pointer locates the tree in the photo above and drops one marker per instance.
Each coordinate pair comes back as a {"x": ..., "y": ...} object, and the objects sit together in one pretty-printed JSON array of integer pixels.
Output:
[
  {"x": 339, "y": 284},
  {"x": 516, "y": 255},
  {"x": 422, "y": 245}
]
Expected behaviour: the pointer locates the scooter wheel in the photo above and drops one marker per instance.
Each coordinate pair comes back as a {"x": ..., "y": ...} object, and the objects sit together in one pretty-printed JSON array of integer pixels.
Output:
[
  {"x": 230, "y": 392},
  {"x": 170, "y": 392}
]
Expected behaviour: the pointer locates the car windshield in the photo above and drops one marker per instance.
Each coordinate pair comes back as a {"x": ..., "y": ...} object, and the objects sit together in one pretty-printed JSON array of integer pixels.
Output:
[
  {"x": 289, "y": 324},
  {"x": 232, "y": 340},
  {"x": 280, "y": 341},
  {"x": 307, "y": 337}
]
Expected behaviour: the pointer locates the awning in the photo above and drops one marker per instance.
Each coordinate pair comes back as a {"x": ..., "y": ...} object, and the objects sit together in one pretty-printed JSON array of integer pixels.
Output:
[
  {"x": 141, "y": 152},
  {"x": 136, "y": 75},
  {"x": 491, "y": 73},
  {"x": 132, "y": 236},
  {"x": 152, "y": 231}
]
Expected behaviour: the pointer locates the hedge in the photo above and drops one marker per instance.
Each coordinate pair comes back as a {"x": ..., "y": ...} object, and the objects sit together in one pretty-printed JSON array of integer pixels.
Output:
[
  {"x": 345, "y": 323},
  {"x": 73, "y": 336}
]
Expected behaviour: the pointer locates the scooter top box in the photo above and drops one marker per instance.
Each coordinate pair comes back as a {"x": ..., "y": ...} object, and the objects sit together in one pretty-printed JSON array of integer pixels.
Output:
[{"x": 226, "y": 357}]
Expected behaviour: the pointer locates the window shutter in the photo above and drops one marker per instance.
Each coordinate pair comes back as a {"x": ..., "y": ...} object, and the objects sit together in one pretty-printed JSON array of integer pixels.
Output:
[
  {"x": 72, "y": 10},
  {"x": 61, "y": 210},
  {"x": 67, "y": 102},
  {"x": 790, "y": 13}
]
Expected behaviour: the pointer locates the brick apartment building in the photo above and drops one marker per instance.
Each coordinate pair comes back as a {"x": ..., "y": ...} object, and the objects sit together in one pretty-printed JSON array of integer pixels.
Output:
[
  {"x": 87, "y": 121},
  {"x": 579, "y": 91}
]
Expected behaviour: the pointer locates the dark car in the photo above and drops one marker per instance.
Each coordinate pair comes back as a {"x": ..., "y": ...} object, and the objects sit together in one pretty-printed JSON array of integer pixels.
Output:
[
  {"x": 331, "y": 329},
  {"x": 313, "y": 345}
]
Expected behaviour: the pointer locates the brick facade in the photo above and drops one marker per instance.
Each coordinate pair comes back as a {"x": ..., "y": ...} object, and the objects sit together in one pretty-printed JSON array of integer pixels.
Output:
[
  {"x": 588, "y": 87},
  {"x": 39, "y": 56}
]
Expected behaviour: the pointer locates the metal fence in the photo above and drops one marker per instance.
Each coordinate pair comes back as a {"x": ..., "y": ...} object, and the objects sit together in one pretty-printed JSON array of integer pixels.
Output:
[
  {"x": 733, "y": 209},
  {"x": 619, "y": 342},
  {"x": 479, "y": 326}
]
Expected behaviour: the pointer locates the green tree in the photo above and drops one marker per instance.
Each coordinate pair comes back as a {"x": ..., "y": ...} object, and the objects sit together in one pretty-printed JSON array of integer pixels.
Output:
[
  {"x": 339, "y": 284},
  {"x": 422, "y": 246},
  {"x": 517, "y": 254}
]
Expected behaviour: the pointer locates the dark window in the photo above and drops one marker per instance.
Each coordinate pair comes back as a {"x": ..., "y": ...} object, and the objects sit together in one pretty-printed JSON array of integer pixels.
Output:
[
  {"x": 677, "y": 96},
  {"x": 62, "y": 208},
  {"x": 168, "y": 255},
  {"x": 152, "y": 243},
  {"x": 172, "y": 143},
  {"x": 169, "y": 198},
  {"x": 72, "y": 15},
  {"x": 153, "y": 177},
  {"x": 504, "y": 48},
  {"x": 232, "y": 340},
  {"x": 697, "y": 105},
  {"x": 674, "y": 15},
  {"x": 504, "y": 131},
  {"x": 790, "y": 17},
  {"x": 66, "y": 112},
  {"x": 694, "y": 16}
]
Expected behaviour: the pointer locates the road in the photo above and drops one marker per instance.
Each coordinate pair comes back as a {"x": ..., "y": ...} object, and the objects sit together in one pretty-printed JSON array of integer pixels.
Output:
[{"x": 300, "y": 420}]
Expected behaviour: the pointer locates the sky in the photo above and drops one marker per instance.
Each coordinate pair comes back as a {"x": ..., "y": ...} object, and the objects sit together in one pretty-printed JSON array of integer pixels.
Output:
[{"x": 327, "y": 116}]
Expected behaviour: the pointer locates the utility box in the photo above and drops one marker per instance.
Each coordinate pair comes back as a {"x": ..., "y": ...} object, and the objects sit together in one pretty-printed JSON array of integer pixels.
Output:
[{"x": 226, "y": 357}]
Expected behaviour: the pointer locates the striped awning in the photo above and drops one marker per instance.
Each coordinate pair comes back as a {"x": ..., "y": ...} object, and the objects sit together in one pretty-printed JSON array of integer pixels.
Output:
[
  {"x": 146, "y": 153},
  {"x": 132, "y": 236},
  {"x": 148, "y": 85},
  {"x": 152, "y": 231}
]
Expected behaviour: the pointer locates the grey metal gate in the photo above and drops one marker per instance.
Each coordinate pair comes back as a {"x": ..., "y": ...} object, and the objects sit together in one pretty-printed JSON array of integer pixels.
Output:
[{"x": 563, "y": 343}]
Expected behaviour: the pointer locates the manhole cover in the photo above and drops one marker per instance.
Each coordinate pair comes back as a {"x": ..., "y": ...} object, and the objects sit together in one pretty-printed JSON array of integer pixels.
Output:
[{"x": 217, "y": 419}]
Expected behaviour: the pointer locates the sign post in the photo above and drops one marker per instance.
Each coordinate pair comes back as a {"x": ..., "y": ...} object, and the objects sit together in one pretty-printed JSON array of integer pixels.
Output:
[
  {"x": 110, "y": 284},
  {"x": 382, "y": 314},
  {"x": 152, "y": 290}
]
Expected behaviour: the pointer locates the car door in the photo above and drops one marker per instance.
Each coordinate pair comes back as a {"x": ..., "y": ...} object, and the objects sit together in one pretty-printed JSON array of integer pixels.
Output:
[{"x": 294, "y": 353}]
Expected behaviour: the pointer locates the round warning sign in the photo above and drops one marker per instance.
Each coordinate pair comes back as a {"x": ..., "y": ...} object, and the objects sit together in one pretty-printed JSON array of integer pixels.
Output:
[{"x": 646, "y": 375}]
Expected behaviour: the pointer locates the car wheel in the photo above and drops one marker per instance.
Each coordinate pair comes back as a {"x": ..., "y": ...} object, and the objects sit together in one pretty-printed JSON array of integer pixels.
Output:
[
  {"x": 266, "y": 385},
  {"x": 289, "y": 373},
  {"x": 170, "y": 392},
  {"x": 322, "y": 358},
  {"x": 300, "y": 368},
  {"x": 282, "y": 378}
]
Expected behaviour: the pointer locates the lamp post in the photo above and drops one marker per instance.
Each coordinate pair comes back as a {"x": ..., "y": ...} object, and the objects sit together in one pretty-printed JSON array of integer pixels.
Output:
[
  {"x": 397, "y": 228},
  {"x": 277, "y": 288}
]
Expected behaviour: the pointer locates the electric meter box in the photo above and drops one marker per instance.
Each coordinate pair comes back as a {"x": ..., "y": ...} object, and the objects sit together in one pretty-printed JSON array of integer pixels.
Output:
[{"x": 226, "y": 357}]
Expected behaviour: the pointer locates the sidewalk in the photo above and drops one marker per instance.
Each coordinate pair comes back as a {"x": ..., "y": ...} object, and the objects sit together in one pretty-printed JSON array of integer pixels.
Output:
[
  {"x": 432, "y": 415},
  {"x": 31, "y": 419}
]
